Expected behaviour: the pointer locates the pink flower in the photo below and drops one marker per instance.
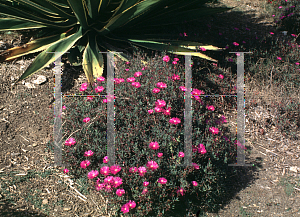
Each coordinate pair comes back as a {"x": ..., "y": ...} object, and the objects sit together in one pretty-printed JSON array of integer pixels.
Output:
[
  {"x": 176, "y": 59},
  {"x": 115, "y": 169},
  {"x": 195, "y": 183},
  {"x": 85, "y": 164},
  {"x": 136, "y": 84},
  {"x": 71, "y": 141},
  {"x": 195, "y": 166},
  {"x": 66, "y": 170},
  {"x": 133, "y": 169},
  {"x": 99, "y": 186},
  {"x": 105, "y": 170},
  {"x": 108, "y": 188},
  {"x": 174, "y": 62},
  {"x": 202, "y": 150},
  {"x": 162, "y": 180},
  {"x": 127, "y": 63},
  {"x": 235, "y": 44},
  {"x": 158, "y": 109},
  {"x": 88, "y": 153},
  {"x": 99, "y": 89},
  {"x": 175, "y": 77},
  {"x": 211, "y": 108},
  {"x": 86, "y": 120},
  {"x": 155, "y": 90},
  {"x": 221, "y": 76},
  {"x": 167, "y": 111},
  {"x": 146, "y": 184},
  {"x": 117, "y": 182},
  {"x": 101, "y": 79},
  {"x": 142, "y": 171},
  {"x": 150, "y": 111},
  {"x": 185, "y": 34},
  {"x": 202, "y": 49},
  {"x": 160, "y": 103},
  {"x": 297, "y": 63},
  {"x": 175, "y": 121},
  {"x": 197, "y": 92},
  {"x": 105, "y": 159},
  {"x": 93, "y": 174},
  {"x": 109, "y": 180},
  {"x": 152, "y": 165},
  {"x": 89, "y": 98},
  {"x": 280, "y": 7},
  {"x": 239, "y": 144},
  {"x": 84, "y": 85},
  {"x": 159, "y": 154},
  {"x": 131, "y": 204},
  {"x": 214, "y": 130},
  {"x": 125, "y": 208},
  {"x": 154, "y": 145},
  {"x": 126, "y": 70},
  {"x": 145, "y": 190},
  {"x": 137, "y": 74},
  {"x": 182, "y": 88},
  {"x": 161, "y": 85},
  {"x": 272, "y": 33},
  {"x": 180, "y": 154},
  {"x": 223, "y": 119},
  {"x": 64, "y": 107},
  {"x": 279, "y": 58},
  {"x": 166, "y": 58},
  {"x": 181, "y": 191},
  {"x": 120, "y": 192},
  {"x": 82, "y": 89},
  {"x": 131, "y": 79}
]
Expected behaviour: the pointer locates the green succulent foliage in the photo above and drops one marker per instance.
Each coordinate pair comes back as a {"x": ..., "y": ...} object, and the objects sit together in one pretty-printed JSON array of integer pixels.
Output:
[{"x": 84, "y": 28}]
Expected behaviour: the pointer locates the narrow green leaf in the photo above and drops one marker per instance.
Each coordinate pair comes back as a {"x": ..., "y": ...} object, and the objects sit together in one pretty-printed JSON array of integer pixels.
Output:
[
  {"x": 80, "y": 12},
  {"x": 16, "y": 24}
]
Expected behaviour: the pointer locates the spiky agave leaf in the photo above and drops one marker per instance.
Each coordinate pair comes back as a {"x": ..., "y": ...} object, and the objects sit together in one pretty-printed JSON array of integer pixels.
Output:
[{"x": 83, "y": 27}]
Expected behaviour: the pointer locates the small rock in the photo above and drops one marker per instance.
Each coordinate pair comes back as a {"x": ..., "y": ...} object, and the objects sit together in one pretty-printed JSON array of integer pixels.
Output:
[
  {"x": 67, "y": 208},
  {"x": 28, "y": 85},
  {"x": 41, "y": 79},
  {"x": 45, "y": 201},
  {"x": 293, "y": 169}
]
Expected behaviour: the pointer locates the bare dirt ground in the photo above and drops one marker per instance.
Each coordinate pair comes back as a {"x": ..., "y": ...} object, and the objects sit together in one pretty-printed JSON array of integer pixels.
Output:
[{"x": 271, "y": 188}]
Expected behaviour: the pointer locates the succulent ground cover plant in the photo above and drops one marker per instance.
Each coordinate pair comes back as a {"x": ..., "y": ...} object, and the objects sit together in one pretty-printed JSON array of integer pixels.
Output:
[{"x": 84, "y": 28}]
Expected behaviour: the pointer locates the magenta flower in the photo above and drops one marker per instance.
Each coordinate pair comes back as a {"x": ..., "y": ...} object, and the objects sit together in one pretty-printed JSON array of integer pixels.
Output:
[
  {"x": 136, "y": 84},
  {"x": 159, "y": 154},
  {"x": 120, "y": 192},
  {"x": 133, "y": 169},
  {"x": 115, "y": 169},
  {"x": 146, "y": 184},
  {"x": 84, "y": 85},
  {"x": 137, "y": 74},
  {"x": 152, "y": 165},
  {"x": 101, "y": 79},
  {"x": 155, "y": 90},
  {"x": 158, "y": 109},
  {"x": 89, "y": 98},
  {"x": 166, "y": 58},
  {"x": 176, "y": 59},
  {"x": 202, "y": 150},
  {"x": 180, "y": 154},
  {"x": 108, "y": 188},
  {"x": 117, "y": 182},
  {"x": 105, "y": 170},
  {"x": 161, "y": 85},
  {"x": 181, "y": 191},
  {"x": 125, "y": 208},
  {"x": 88, "y": 153},
  {"x": 167, "y": 111},
  {"x": 182, "y": 88},
  {"x": 126, "y": 70},
  {"x": 202, "y": 49},
  {"x": 160, "y": 103},
  {"x": 195, "y": 166},
  {"x": 131, "y": 204},
  {"x": 145, "y": 190},
  {"x": 99, "y": 186},
  {"x": 235, "y": 44},
  {"x": 162, "y": 180},
  {"x": 211, "y": 108},
  {"x": 93, "y": 174},
  {"x": 175, "y": 121},
  {"x": 221, "y": 76},
  {"x": 279, "y": 58},
  {"x": 174, "y": 62},
  {"x": 175, "y": 77},
  {"x": 297, "y": 63},
  {"x": 131, "y": 79},
  {"x": 214, "y": 130},
  {"x": 154, "y": 145},
  {"x": 197, "y": 92},
  {"x": 223, "y": 119},
  {"x": 105, "y": 159},
  {"x": 99, "y": 89},
  {"x": 150, "y": 111},
  {"x": 195, "y": 183},
  {"x": 86, "y": 120},
  {"x": 85, "y": 164},
  {"x": 272, "y": 33},
  {"x": 142, "y": 171},
  {"x": 64, "y": 107},
  {"x": 66, "y": 170},
  {"x": 239, "y": 144},
  {"x": 109, "y": 180},
  {"x": 69, "y": 142}
]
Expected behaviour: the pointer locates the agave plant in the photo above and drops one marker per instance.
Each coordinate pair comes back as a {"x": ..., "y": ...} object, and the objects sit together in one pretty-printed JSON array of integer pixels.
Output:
[{"x": 84, "y": 28}]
